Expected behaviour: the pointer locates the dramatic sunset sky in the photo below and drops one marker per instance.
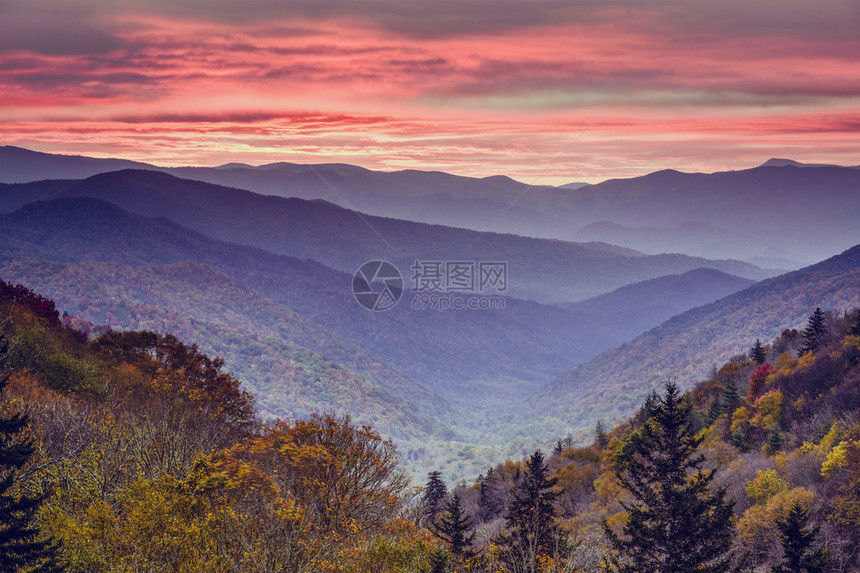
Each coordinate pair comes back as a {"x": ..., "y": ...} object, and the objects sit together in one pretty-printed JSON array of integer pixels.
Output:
[{"x": 546, "y": 91}]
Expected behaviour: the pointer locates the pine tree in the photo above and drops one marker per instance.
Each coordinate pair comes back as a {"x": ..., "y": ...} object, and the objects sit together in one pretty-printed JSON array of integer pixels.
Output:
[
  {"x": 715, "y": 410},
  {"x": 757, "y": 353},
  {"x": 532, "y": 531},
  {"x": 489, "y": 501},
  {"x": 434, "y": 493},
  {"x": 739, "y": 440},
  {"x": 774, "y": 439},
  {"x": 20, "y": 546},
  {"x": 676, "y": 523},
  {"x": 453, "y": 525},
  {"x": 797, "y": 539},
  {"x": 815, "y": 332},
  {"x": 438, "y": 562},
  {"x": 648, "y": 407},
  {"x": 601, "y": 438},
  {"x": 731, "y": 397}
]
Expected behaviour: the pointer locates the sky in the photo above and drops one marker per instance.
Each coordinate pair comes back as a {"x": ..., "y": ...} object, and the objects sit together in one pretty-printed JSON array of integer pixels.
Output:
[{"x": 544, "y": 91}]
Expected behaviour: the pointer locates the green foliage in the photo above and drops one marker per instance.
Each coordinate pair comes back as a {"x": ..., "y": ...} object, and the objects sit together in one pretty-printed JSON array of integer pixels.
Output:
[
  {"x": 601, "y": 438},
  {"x": 757, "y": 353},
  {"x": 453, "y": 526},
  {"x": 434, "y": 494},
  {"x": 814, "y": 333},
  {"x": 797, "y": 539},
  {"x": 532, "y": 533},
  {"x": 676, "y": 523}
]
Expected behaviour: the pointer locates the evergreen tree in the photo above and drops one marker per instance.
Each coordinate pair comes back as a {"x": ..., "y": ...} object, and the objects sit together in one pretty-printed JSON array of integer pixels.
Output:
[
  {"x": 489, "y": 501},
  {"x": 715, "y": 410},
  {"x": 815, "y": 333},
  {"x": 797, "y": 539},
  {"x": 438, "y": 562},
  {"x": 20, "y": 546},
  {"x": 757, "y": 353},
  {"x": 649, "y": 407},
  {"x": 774, "y": 439},
  {"x": 453, "y": 525},
  {"x": 531, "y": 528},
  {"x": 731, "y": 397},
  {"x": 739, "y": 440},
  {"x": 558, "y": 447},
  {"x": 676, "y": 523},
  {"x": 434, "y": 493},
  {"x": 601, "y": 438}
]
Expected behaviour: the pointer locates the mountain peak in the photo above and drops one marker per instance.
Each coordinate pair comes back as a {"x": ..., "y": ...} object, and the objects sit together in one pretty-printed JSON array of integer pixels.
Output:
[{"x": 780, "y": 162}]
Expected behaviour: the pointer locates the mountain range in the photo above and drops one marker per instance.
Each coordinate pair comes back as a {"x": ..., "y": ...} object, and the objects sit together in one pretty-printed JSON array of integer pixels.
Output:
[
  {"x": 584, "y": 332},
  {"x": 547, "y": 271},
  {"x": 764, "y": 214}
]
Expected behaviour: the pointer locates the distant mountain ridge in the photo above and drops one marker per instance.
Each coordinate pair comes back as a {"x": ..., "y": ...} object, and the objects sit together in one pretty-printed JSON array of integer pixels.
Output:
[
  {"x": 542, "y": 270},
  {"x": 768, "y": 204},
  {"x": 635, "y": 308}
]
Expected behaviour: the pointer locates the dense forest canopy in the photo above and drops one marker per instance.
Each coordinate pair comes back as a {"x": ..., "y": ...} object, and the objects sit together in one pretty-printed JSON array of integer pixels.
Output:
[{"x": 134, "y": 451}]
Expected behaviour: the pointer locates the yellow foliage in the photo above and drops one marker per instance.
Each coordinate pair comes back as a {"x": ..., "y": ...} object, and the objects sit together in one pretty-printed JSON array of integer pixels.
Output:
[
  {"x": 607, "y": 486},
  {"x": 768, "y": 410},
  {"x": 785, "y": 363},
  {"x": 757, "y": 530},
  {"x": 740, "y": 418},
  {"x": 830, "y": 439},
  {"x": 851, "y": 343},
  {"x": 730, "y": 369},
  {"x": 617, "y": 521},
  {"x": 799, "y": 404},
  {"x": 805, "y": 361},
  {"x": 837, "y": 458},
  {"x": 766, "y": 484}
]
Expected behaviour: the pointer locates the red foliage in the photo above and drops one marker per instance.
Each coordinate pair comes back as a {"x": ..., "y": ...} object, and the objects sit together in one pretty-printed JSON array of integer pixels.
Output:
[
  {"x": 40, "y": 306},
  {"x": 757, "y": 380}
]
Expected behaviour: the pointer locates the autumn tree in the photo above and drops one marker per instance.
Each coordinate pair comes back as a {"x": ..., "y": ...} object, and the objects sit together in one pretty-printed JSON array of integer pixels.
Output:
[
  {"x": 815, "y": 333},
  {"x": 758, "y": 379},
  {"x": 305, "y": 496},
  {"x": 797, "y": 539},
  {"x": 676, "y": 522},
  {"x": 453, "y": 525}
]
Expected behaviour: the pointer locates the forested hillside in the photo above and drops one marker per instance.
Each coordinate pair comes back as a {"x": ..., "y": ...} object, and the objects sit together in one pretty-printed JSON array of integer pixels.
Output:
[
  {"x": 754, "y": 469},
  {"x": 134, "y": 451},
  {"x": 292, "y": 332},
  {"x": 689, "y": 345}
]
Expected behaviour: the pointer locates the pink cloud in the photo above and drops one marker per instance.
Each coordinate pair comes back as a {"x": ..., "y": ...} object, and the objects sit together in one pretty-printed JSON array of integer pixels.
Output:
[{"x": 496, "y": 98}]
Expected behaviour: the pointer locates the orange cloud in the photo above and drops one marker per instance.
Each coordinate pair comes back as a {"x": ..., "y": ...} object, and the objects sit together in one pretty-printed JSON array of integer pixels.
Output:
[{"x": 637, "y": 92}]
